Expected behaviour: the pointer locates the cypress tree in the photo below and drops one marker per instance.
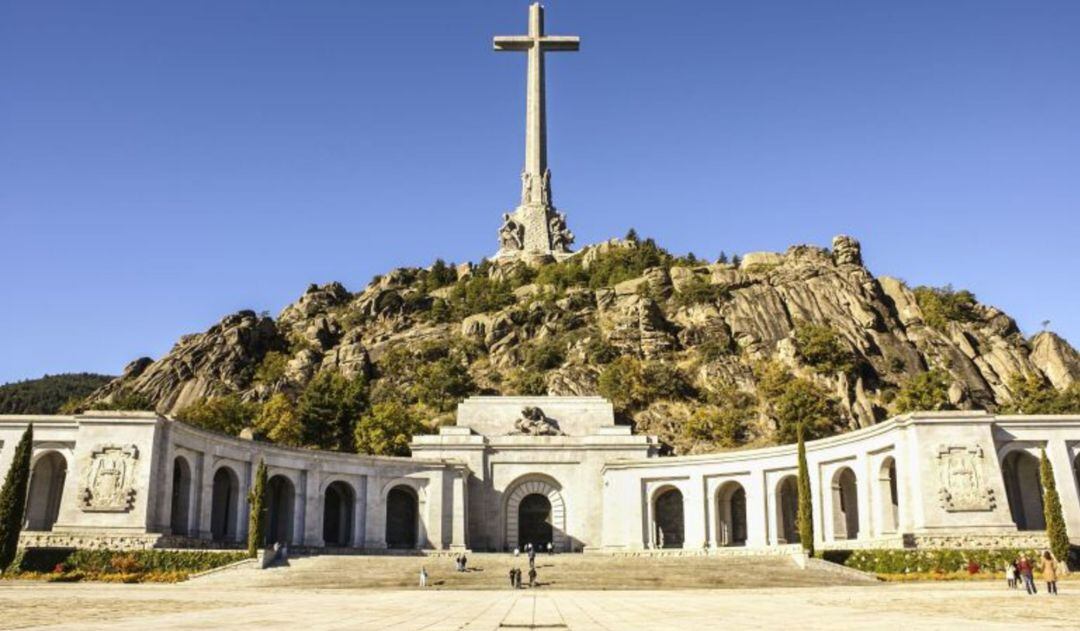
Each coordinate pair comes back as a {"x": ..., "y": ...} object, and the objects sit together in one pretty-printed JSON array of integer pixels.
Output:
[
  {"x": 805, "y": 515},
  {"x": 1055, "y": 521},
  {"x": 257, "y": 514},
  {"x": 13, "y": 499}
]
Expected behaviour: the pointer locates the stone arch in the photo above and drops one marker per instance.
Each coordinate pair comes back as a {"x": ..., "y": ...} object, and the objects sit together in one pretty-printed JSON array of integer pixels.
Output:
[
  {"x": 669, "y": 526},
  {"x": 224, "y": 504},
  {"x": 552, "y": 492},
  {"x": 339, "y": 502},
  {"x": 845, "y": 504},
  {"x": 1023, "y": 488},
  {"x": 47, "y": 477},
  {"x": 888, "y": 497},
  {"x": 180, "y": 508},
  {"x": 402, "y": 517},
  {"x": 787, "y": 510},
  {"x": 731, "y": 514},
  {"x": 280, "y": 501}
]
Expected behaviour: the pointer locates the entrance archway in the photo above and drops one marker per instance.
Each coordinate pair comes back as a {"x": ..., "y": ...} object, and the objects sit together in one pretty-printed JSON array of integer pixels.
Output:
[
  {"x": 668, "y": 522},
  {"x": 223, "y": 506},
  {"x": 401, "y": 517},
  {"x": 46, "y": 490},
  {"x": 845, "y": 505},
  {"x": 338, "y": 506},
  {"x": 534, "y": 521},
  {"x": 524, "y": 504},
  {"x": 731, "y": 513},
  {"x": 1024, "y": 490},
  {"x": 280, "y": 498},
  {"x": 787, "y": 510},
  {"x": 181, "y": 497}
]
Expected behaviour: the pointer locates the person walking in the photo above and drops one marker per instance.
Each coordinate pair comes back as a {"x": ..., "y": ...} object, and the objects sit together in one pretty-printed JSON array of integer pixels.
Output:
[
  {"x": 1010, "y": 578},
  {"x": 532, "y": 577},
  {"x": 423, "y": 576},
  {"x": 513, "y": 579},
  {"x": 517, "y": 578},
  {"x": 464, "y": 562},
  {"x": 1026, "y": 574},
  {"x": 1049, "y": 572}
]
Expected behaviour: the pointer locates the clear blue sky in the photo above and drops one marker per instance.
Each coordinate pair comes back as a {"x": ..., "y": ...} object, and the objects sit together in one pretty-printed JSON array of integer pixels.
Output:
[{"x": 163, "y": 164}]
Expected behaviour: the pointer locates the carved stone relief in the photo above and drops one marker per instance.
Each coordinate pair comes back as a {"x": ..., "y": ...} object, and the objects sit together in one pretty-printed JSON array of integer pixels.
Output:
[
  {"x": 109, "y": 485},
  {"x": 963, "y": 480}
]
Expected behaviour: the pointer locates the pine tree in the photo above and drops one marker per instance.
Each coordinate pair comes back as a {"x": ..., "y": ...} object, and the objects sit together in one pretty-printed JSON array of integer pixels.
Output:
[
  {"x": 1055, "y": 521},
  {"x": 736, "y": 260},
  {"x": 805, "y": 515},
  {"x": 257, "y": 514},
  {"x": 13, "y": 498},
  {"x": 722, "y": 258}
]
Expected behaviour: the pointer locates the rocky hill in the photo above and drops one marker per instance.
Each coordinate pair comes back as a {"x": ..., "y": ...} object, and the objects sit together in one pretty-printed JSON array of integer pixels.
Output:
[{"x": 707, "y": 355}]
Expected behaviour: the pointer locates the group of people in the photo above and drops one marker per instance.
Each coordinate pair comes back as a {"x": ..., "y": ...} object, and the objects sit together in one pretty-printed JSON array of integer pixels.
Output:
[
  {"x": 515, "y": 577},
  {"x": 1023, "y": 570}
]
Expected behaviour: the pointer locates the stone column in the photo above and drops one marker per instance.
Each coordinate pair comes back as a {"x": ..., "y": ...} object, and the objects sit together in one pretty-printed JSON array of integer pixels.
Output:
[
  {"x": 864, "y": 482},
  {"x": 459, "y": 511},
  {"x": 313, "y": 509},
  {"x": 757, "y": 511},
  {"x": 206, "y": 498},
  {"x": 694, "y": 514}
]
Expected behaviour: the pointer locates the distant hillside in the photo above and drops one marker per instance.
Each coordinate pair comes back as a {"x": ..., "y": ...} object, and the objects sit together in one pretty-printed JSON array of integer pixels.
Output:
[{"x": 49, "y": 393}]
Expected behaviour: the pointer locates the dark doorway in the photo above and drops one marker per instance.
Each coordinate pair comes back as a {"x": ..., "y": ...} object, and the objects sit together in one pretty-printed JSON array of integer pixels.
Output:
[
  {"x": 338, "y": 515},
  {"x": 787, "y": 502},
  {"x": 181, "y": 496},
  {"x": 534, "y": 521},
  {"x": 401, "y": 518},
  {"x": 46, "y": 490},
  {"x": 223, "y": 505},
  {"x": 280, "y": 494},
  {"x": 668, "y": 513},
  {"x": 1023, "y": 490}
]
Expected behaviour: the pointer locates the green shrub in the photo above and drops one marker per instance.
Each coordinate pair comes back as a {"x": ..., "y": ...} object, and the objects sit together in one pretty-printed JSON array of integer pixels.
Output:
[
  {"x": 387, "y": 429},
  {"x": 226, "y": 414},
  {"x": 941, "y": 305},
  {"x": 821, "y": 347},
  {"x": 272, "y": 368},
  {"x": 791, "y": 401},
  {"x": 926, "y": 391},
  {"x": 927, "y": 561},
  {"x": 328, "y": 408},
  {"x": 479, "y": 294},
  {"x": 599, "y": 351},
  {"x": 257, "y": 511},
  {"x": 631, "y": 384},
  {"x": 1033, "y": 394},
  {"x": 724, "y": 423},
  {"x": 125, "y": 400},
  {"x": 698, "y": 290},
  {"x": 804, "y": 517},
  {"x": 280, "y": 422},
  {"x": 527, "y": 382},
  {"x": 619, "y": 264},
  {"x": 545, "y": 355},
  {"x": 442, "y": 383}
]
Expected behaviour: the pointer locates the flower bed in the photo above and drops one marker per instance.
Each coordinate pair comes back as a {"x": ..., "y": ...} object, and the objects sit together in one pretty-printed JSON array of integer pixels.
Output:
[{"x": 140, "y": 566}]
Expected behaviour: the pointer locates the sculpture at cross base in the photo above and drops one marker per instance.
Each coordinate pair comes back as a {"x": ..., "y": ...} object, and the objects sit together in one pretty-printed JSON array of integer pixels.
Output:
[{"x": 535, "y": 229}]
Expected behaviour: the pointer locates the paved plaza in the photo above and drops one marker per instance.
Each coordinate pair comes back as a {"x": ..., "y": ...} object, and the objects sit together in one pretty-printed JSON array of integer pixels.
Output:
[{"x": 212, "y": 606}]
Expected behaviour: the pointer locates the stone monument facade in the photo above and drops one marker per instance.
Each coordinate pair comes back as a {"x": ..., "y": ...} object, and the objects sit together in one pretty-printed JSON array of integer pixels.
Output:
[{"x": 535, "y": 229}]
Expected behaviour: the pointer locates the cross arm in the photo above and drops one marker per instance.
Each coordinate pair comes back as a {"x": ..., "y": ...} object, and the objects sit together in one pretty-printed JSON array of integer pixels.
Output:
[
  {"x": 560, "y": 42},
  {"x": 513, "y": 42}
]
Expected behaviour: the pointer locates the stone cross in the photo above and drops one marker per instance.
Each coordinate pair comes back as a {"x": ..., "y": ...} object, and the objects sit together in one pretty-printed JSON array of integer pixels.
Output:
[{"x": 535, "y": 227}]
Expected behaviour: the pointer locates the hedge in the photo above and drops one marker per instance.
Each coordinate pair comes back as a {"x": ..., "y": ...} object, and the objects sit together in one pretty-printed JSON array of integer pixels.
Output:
[
  {"x": 100, "y": 564},
  {"x": 923, "y": 561}
]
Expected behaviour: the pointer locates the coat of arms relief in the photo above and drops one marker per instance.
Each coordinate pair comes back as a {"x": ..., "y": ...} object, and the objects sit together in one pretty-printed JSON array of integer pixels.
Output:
[
  {"x": 963, "y": 481},
  {"x": 109, "y": 485}
]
